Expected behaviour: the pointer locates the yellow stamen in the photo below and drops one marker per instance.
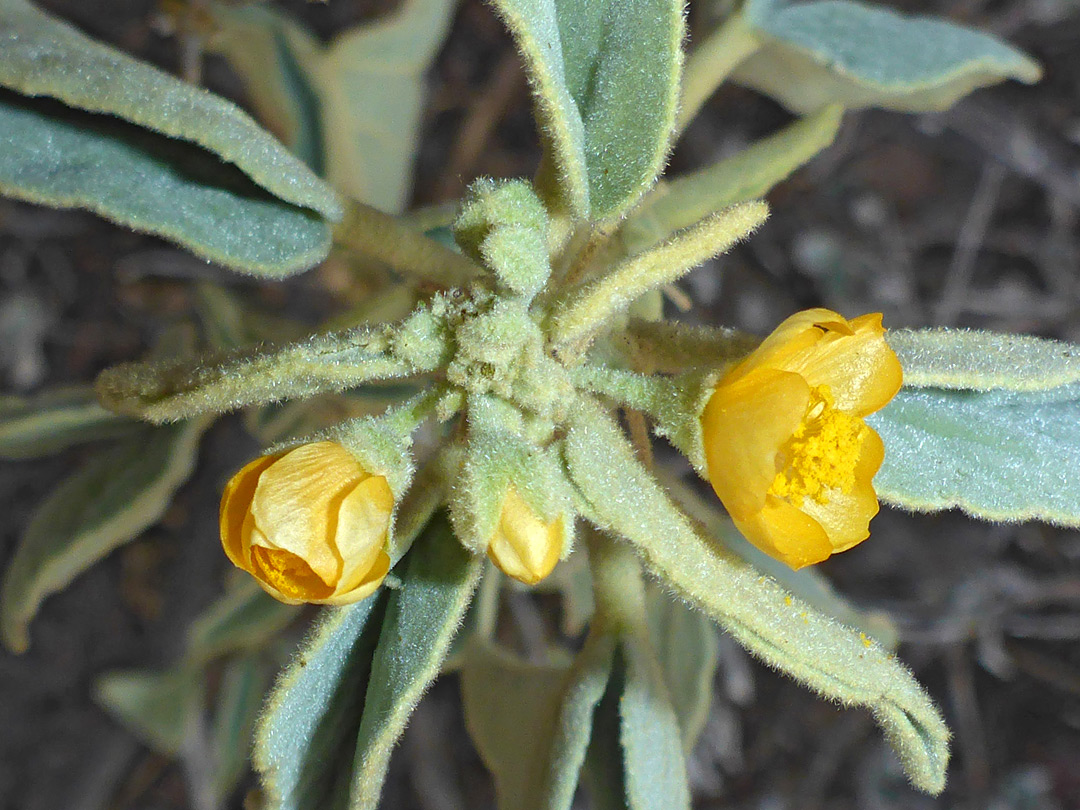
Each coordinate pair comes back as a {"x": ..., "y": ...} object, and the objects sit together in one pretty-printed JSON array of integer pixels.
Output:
[{"x": 821, "y": 455}]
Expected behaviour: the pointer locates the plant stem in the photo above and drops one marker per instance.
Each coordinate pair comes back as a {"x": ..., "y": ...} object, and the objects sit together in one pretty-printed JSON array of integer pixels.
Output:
[{"x": 618, "y": 589}]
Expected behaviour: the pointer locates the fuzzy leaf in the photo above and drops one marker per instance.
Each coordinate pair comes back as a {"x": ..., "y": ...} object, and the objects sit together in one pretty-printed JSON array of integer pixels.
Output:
[
  {"x": 746, "y": 175},
  {"x": 104, "y": 504},
  {"x": 164, "y": 392},
  {"x": 350, "y": 109},
  {"x": 264, "y": 46},
  {"x": 243, "y": 619},
  {"x": 983, "y": 361},
  {"x": 649, "y": 733},
  {"x": 537, "y": 755},
  {"x": 53, "y": 156},
  {"x": 144, "y": 149},
  {"x": 780, "y": 629},
  {"x": 998, "y": 455},
  {"x": 688, "y": 652},
  {"x": 606, "y": 144},
  {"x": 422, "y": 617},
  {"x": 835, "y": 51},
  {"x": 158, "y": 707},
  {"x": 584, "y": 310},
  {"x": 306, "y": 738},
  {"x": 55, "y": 420}
]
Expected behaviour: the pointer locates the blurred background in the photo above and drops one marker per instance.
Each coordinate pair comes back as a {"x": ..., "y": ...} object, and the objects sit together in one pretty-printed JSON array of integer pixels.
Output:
[{"x": 963, "y": 218}]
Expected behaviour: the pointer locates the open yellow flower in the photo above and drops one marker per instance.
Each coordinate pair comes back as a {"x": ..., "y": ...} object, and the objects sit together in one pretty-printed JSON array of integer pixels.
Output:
[
  {"x": 524, "y": 546},
  {"x": 786, "y": 447},
  {"x": 310, "y": 524}
]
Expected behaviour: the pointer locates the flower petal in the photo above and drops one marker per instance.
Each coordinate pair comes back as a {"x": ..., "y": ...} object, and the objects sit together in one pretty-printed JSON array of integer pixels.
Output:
[
  {"x": 287, "y": 574},
  {"x": 861, "y": 370},
  {"x": 367, "y": 585},
  {"x": 796, "y": 334},
  {"x": 744, "y": 424},
  {"x": 846, "y": 517},
  {"x": 785, "y": 532},
  {"x": 524, "y": 546},
  {"x": 297, "y": 500},
  {"x": 362, "y": 527},
  {"x": 235, "y": 502}
]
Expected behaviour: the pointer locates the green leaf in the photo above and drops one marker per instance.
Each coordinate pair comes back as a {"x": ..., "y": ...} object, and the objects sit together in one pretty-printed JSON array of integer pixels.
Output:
[
  {"x": 243, "y": 619},
  {"x": 421, "y": 620},
  {"x": 158, "y": 707},
  {"x": 747, "y": 175},
  {"x": 688, "y": 652},
  {"x": 55, "y": 420},
  {"x": 998, "y": 455},
  {"x": 54, "y": 156},
  {"x": 144, "y": 149},
  {"x": 305, "y": 740},
  {"x": 783, "y": 631},
  {"x": 335, "y": 715},
  {"x": 353, "y": 108},
  {"x": 649, "y": 734},
  {"x": 606, "y": 78},
  {"x": 263, "y": 46},
  {"x": 104, "y": 504},
  {"x": 583, "y": 310},
  {"x": 239, "y": 701},
  {"x": 531, "y": 723},
  {"x": 983, "y": 361},
  {"x": 806, "y": 583},
  {"x": 835, "y": 51}
]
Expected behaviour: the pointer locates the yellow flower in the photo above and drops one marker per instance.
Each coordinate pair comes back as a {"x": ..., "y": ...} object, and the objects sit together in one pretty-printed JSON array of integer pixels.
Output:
[
  {"x": 310, "y": 524},
  {"x": 786, "y": 447},
  {"x": 524, "y": 546}
]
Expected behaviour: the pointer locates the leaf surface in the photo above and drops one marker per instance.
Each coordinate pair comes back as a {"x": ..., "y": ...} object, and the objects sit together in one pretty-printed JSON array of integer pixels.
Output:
[
  {"x": 998, "y": 455},
  {"x": 835, "y": 51},
  {"x": 102, "y": 505},
  {"x": 781, "y": 630},
  {"x": 605, "y": 74},
  {"x": 55, "y": 420},
  {"x": 84, "y": 125}
]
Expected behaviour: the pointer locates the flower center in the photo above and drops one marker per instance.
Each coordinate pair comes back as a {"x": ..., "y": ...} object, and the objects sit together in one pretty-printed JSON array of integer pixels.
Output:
[{"x": 822, "y": 453}]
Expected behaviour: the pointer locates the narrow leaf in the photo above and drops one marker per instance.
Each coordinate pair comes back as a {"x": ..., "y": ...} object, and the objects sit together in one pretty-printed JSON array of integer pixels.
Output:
[
  {"x": 305, "y": 740},
  {"x": 586, "y": 310},
  {"x": 998, "y": 455},
  {"x": 983, "y": 361},
  {"x": 835, "y": 51},
  {"x": 55, "y": 420},
  {"x": 421, "y": 619},
  {"x": 688, "y": 652},
  {"x": 649, "y": 733},
  {"x": 51, "y": 155},
  {"x": 163, "y": 392},
  {"x": 781, "y": 630},
  {"x": 606, "y": 145},
  {"x": 42, "y": 56},
  {"x": 749, "y": 174},
  {"x": 105, "y": 503}
]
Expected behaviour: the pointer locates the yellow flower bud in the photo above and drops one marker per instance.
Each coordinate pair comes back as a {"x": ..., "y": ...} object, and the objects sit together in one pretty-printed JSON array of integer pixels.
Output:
[
  {"x": 524, "y": 546},
  {"x": 786, "y": 447},
  {"x": 310, "y": 524}
]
